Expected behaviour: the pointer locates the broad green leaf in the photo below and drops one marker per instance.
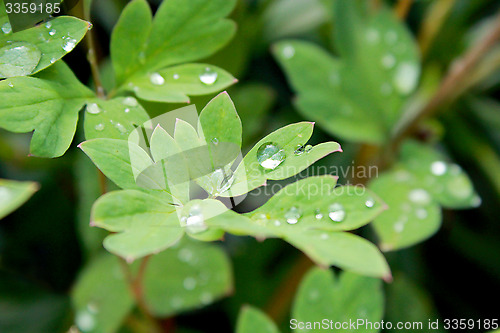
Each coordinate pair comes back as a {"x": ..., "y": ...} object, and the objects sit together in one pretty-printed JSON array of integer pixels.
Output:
[
  {"x": 294, "y": 157},
  {"x": 13, "y": 194},
  {"x": 241, "y": 225},
  {"x": 315, "y": 203},
  {"x": 174, "y": 84},
  {"x": 350, "y": 297},
  {"x": 189, "y": 276},
  {"x": 181, "y": 31},
  {"x": 101, "y": 297},
  {"x": 113, "y": 119},
  {"x": 360, "y": 95},
  {"x": 341, "y": 249},
  {"x": 119, "y": 160},
  {"x": 49, "y": 41},
  {"x": 252, "y": 320},
  {"x": 48, "y": 104},
  {"x": 412, "y": 216}
]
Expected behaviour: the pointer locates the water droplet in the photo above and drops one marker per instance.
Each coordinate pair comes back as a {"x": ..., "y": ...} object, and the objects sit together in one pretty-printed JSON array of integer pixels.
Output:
[
  {"x": 421, "y": 213},
  {"x": 438, "y": 168},
  {"x": 208, "y": 77},
  {"x": 4, "y": 194},
  {"x": 288, "y": 51},
  {"x": 215, "y": 141},
  {"x": 206, "y": 298},
  {"x": 388, "y": 61},
  {"x": 99, "y": 127},
  {"x": 189, "y": 283},
  {"x": 6, "y": 28},
  {"x": 176, "y": 76},
  {"x": 90, "y": 26},
  {"x": 308, "y": 148},
  {"x": 405, "y": 79},
  {"x": 299, "y": 150},
  {"x": 293, "y": 215},
  {"x": 121, "y": 128},
  {"x": 53, "y": 60},
  {"x": 372, "y": 36},
  {"x": 18, "y": 59},
  {"x": 156, "y": 79},
  {"x": 277, "y": 223},
  {"x": 317, "y": 214},
  {"x": 222, "y": 180},
  {"x": 69, "y": 44},
  {"x": 11, "y": 84},
  {"x": 176, "y": 302},
  {"x": 260, "y": 218},
  {"x": 336, "y": 212},
  {"x": 52, "y": 32},
  {"x": 85, "y": 321},
  {"x": 93, "y": 108},
  {"x": 127, "y": 110},
  {"x": 324, "y": 236},
  {"x": 130, "y": 101},
  {"x": 369, "y": 203},
  {"x": 194, "y": 220},
  {"x": 459, "y": 187},
  {"x": 419, "y": 196},
  {"x": 270, "y": 155},
  {"x": 391, "y": 37},
  {"x": 185, "y": 255}
]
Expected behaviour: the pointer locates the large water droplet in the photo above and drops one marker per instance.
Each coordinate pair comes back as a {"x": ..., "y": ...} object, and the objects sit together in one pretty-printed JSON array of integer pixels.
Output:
[
  {"x": 156, "y": 79},
  {"x": 99, "y": 127},
  {"x": 6, "y": 28},
  {"x": 336, "y": 212},
  {"x": 288, "y": 51},
  {"x": 419, "y": 196},
  {"x": 130, "y": 101},
  {"x": 69, "y": 44},
  {"x": 438, "y": 168},
  {"x": 194, "y": 220},
  {"x": 208, "y": 76},
  {"x": 18, "y": 59},
  {"x": 317, "y": 214},
  {"x": 93, "y": 108},
  {"x": 293, "y": 215},
  {"x": 405, "y": 79},
  {"x": 270, "y": 155},
  {"x": 189, "y": 283}
]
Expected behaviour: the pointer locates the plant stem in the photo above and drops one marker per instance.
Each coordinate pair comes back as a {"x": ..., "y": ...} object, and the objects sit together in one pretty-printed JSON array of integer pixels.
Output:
[
  {"x": 91, "y": 55},
  {"x": 460, "y": 71},
  {"x": 434, "y": 19},
  {"x": 403, "y": 8}
]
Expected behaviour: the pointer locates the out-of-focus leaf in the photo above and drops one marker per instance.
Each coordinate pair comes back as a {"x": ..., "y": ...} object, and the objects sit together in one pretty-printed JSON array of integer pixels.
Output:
[
  {"x": 48, "y": 104},
  {"x": 101, "y": 297},
  {"x": 350, "y": 297},
  {"x": 189, "y": 276},
  {"x": 13, "y": 194},
  {"x": 252, "y": 320}
]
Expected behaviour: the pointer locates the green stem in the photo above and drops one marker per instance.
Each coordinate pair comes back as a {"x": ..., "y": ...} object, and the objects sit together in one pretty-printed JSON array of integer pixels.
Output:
[{"x": 91, "y": 55}]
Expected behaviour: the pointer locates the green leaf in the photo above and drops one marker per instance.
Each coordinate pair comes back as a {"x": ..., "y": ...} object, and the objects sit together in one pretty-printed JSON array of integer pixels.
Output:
[
  {"x": 18, "y": 59},
  {"x": 119, "y": 160},
  {"x": 182, "y": 31},
  {"x": 359, "y": 96},
  {"x": 113, "y": 119},
  {"x": 310, "y": 201},
  {"x": 341, "y": 249},
  {"x": 350, "y": 297},
  {"x": 100, "y": 296},
  {"x": 174, "y": 84},
  {"x": 195, "y": 274},
  {"x": 48, "y": 42},
  {"x": 48, "y": 104},
  {"x": 252, "y": 320},
  {"x": 250, "y": 174},
  {"x": 13, "y": 194}
]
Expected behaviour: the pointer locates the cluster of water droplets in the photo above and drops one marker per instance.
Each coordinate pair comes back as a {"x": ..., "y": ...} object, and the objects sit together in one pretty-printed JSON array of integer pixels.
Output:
[
  {"x": 301, "y": 149},
  {"x": 94, "y": 109}
]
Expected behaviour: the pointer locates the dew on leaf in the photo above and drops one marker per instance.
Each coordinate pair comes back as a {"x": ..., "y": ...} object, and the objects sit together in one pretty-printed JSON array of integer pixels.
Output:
[
  {"x": 208, "y": 76},
  {"x": 308, "y": 148},
  {"x": 6, "y": 28},
  {"x": 277, "y": 223},
  {"x": 11, "y": 84},
  {"x": 388, "y": 61},
  {"x": 93, "y": 108},
  {"x": 405, "y": 79},
  {"x": 293, "y": 215},
  {"x": 215, "y": 141},
  {"x": 5, "y": 194},
  {"x": 130, "y": 101},
  {"x": 52, "y": 32},
  {"x": 122, "y": 129},
  {"x": 299, "y": 150},
  {"x": 127, "y": 110},
  {"x": 369, "y": 203},
  {"x": 156, "y": 79},
  {"x": 222, "y": 180},
  {"x": 391, "y": 37},
  {"x": 438, "y": 168},
  {"x": 176, "y": 302},
  {"x": 206, "y": 298},
  {"x": 189, "y": 283},
  {"x": 270, "y": 155},
  {"x": 53, "y": 60},
  {"x": 69, "y": 44},
  {"x": 317, "y": 214},
  {"x": 372, "y": 36},
  {"x": 194, "y": 220},
  {"x": 85, "y": 321},
  {"x": 421, "y": 213},
  {"x": 176, "y": 76},
  {"x": 324, "y": 236},
  {"x": 185, "y": 255},
  {"x": 288, "y": 51},
  {"x": 336, "y": 212},
  {"x": 419, "y": 196},
  {"x": 459, "y": 187},
  {"x": 18, "y": 59},
  {"x": 48, "y": 25},
  {"x": 99, "y": 127}
]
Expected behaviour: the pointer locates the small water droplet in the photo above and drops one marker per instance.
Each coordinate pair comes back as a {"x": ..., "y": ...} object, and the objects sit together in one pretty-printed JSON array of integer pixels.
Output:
[
  {"x": 369, "y": 203},
  {"x": 299, "y": 150},
  {"x": 336, "y": 212},
  {"x": 317, "y": 214},
  {"x": 99, "y": 127},
  {"x": 156, "y": 79},
  {"x": 185, "y": 255},
  {"x": 438, "y": 168},
  {"x": 18, "y": 59},
  {"x": 53, "y": 60},
  {"x": 206, "y": 298},
  {"x": 93, "y": 108},
  {"x": 52, "y": 32},
  {"x": 127, "y": 110},
  {"x": 419, "y": 196},
  {"x": 406, "y": 77},
  {"x": 48, "y": 25},
  {"x": 270, "y": 155},
  {"x": 215, "y": 141},
  {"x": 130, "y": 101},
  {"x": 176, "y": 302},
  {"x": 121, "y": 128},
  {"x": 421, "y": 213},
  {"x": 90, "y": 26},
  {"x": 194, "y": 220},
  {"x": 260, "y": 218},
  {"x": 11, "y": 84},
  {"x": 222, "y": 180},
  {"x": 308, "y": 148},
  {"x": 85, "y": 320},
  {"x": 372, "y": 36},
  {"x": 208, "y": 76},
  {"x": 189, "y": 283},
  {"x": 293, "y": 215},
  {"x": 288, "y": 51},
  {"x": 6, "y": 28},
  {"x": 69, "y": 44},
  {"x": 176, "y": 76},
  {"x": 277, "y": 223},
  {"x": 324, "y": 236},
  {"x": 388, "y": 61}
]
